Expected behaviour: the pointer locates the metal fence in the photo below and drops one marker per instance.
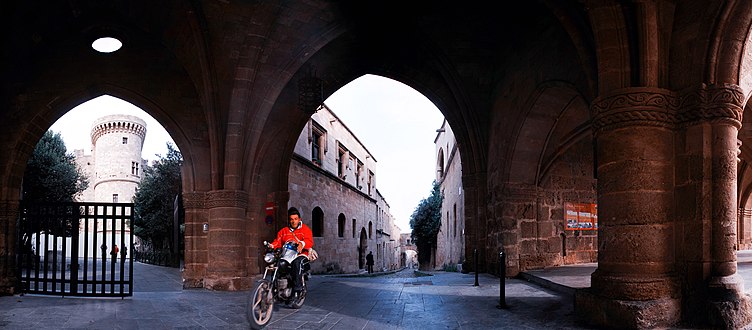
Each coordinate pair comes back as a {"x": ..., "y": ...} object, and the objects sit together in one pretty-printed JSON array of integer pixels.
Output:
[{"x": 76, "y": 249}]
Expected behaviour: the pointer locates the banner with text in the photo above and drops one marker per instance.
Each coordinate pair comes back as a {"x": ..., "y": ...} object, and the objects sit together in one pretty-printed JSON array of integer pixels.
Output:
[{"x": 581, "y": 216}]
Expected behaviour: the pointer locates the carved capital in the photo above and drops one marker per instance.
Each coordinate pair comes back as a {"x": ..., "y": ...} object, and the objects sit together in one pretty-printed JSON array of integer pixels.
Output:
[
  {"x": 194, "y": 200},
  {"x": 723, "y": 102},
  {"x": 226, "y": 198},
  {"x": 635, "y": 107}
]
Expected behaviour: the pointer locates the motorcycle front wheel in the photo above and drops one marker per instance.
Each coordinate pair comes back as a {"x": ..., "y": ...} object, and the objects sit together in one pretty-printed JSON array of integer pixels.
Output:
[{"x": 260, "y": 305}]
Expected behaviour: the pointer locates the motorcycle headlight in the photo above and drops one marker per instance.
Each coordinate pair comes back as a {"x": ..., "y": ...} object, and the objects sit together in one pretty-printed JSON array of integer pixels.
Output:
[{"x": 269, "y": 257}]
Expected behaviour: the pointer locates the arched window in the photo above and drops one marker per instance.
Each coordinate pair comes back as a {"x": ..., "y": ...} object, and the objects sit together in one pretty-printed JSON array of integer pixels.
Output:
[
  {"x": 318, "y": 222},
  {"x": 440, "y": 165},
  {"x": 370, "y": 229},
  {"x": 341, "y": 225},
  {"x": 353, "y": 227}
]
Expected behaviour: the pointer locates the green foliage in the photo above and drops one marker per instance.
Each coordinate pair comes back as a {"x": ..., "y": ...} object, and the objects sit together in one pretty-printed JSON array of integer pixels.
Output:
[
  {"x": 450, "y": 267},
  {"x": 426, "y": 222},
  {"x": 154, "y": 200},
  {"x": 51, "y": 173},
  {"x": 51, "y": 176}
]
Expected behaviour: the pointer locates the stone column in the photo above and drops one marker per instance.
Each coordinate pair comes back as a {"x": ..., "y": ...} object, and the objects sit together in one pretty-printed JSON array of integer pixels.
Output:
[
  {"x": 227, "y": 239},
  {"x": 196, "y": 251},
  {"x": 8, "y": 217},
  {"x": 634, "y": 285},
  {"x": 711, "y": 118},
  {"x": 474, "y": 188},
  {"x": 517, "y": 230}
]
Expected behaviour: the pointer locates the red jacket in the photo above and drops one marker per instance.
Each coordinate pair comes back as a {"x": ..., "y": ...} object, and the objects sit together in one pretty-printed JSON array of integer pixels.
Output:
[{"x": 301, "y": 235}]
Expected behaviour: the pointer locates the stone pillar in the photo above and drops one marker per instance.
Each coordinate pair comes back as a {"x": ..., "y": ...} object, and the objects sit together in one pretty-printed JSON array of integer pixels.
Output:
[
  {"x": 634, "y": 285},
  {"x": 260, "y": 230},
  {"x": 227, "y": 239},
  {"x": 196, "y": 248},
  {"x": 476, "y": 221},
  {"x": 8, "y": 280},
  {"x": 518, "y": 235},
  {"x": 711, "y": 118},
  {"x": 723, "y": 202}
]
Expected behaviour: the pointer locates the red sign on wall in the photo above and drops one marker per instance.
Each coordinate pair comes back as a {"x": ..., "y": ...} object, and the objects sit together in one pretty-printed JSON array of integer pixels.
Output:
[
  {"x": 269, "y": 208},
  {"x": 581, "y": 216}
]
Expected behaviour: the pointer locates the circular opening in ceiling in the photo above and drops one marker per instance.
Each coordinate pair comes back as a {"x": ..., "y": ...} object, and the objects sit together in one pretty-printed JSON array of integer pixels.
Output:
[{"x": 106, "y": 45}]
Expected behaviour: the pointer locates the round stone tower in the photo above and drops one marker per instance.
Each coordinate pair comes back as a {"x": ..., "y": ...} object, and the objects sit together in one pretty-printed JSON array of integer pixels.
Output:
[{"x": 117, "y": 141}]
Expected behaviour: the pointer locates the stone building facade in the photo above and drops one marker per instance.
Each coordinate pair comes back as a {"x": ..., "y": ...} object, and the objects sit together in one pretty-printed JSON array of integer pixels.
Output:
[
  {"x": 450, "y": 241},
  {"x": 115, "y": 166},
  {"x": 636, "y": 106},
  {"x": 409, "y": 253},
  {"x": 332, "y": 182}
]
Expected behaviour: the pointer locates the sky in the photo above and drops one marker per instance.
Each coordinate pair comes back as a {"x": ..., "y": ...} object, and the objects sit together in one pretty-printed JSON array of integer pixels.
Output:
[
  {"x": 397, "y": 125},
  {"x": 75, "y": 126},
  {"x": 394, "y": 122}
]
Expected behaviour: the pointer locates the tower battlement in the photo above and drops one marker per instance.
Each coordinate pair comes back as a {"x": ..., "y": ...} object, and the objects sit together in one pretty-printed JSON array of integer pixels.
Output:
[{"x": 118, "y": 124}]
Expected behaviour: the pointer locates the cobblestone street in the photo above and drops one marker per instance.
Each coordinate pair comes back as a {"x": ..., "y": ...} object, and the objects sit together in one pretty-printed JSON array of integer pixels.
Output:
[
  {"x": 395, "y": 301},
  {"x": 400, "y": 300}
]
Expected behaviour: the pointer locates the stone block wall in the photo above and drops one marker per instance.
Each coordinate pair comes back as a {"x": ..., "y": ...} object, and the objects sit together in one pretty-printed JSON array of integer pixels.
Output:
[
  {"x": 450, "y": 241},
  {"x": 311, "y": 187},
  {"x": 532, "y": 224}
]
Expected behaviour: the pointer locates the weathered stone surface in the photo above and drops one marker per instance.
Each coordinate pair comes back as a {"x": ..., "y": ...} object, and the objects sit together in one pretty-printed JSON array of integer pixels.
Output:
[
  {"x": 631, "y": 314},
  {"x": 550, "y": 103}
]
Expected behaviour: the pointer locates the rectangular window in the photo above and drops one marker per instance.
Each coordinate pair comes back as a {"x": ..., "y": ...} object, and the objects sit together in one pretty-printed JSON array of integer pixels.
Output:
[
  {"x": 318, "y": 141},
  {"x": 370, "y": 182},
  {"x": 114, "y": 198},
  {"x": 134, "y": 168},
  {"x": 316, "y": 149},
  {"x": 359, "y": 175},
  {"x": 125, "y": 140},
  {"x": 342, "y": 157}
]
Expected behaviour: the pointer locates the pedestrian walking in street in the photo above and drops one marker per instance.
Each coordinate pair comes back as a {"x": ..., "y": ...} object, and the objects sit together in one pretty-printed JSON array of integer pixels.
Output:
[
  {"x": 369, "y": 262},
  {"x": 114, "y": 252}
]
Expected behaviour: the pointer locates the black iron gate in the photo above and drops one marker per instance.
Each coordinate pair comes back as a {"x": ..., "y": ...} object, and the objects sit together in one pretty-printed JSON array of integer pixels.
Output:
[{"x": 76, "y": 249}]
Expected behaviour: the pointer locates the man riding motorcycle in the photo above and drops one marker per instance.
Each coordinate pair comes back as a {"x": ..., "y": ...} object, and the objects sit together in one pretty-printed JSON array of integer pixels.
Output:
[{"x": 296, "y": 232}]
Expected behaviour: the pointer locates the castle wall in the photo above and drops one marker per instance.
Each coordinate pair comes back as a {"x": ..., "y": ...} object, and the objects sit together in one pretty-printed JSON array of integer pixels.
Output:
[
  {"x": 450, "y": 241},
  {"x": 115, "y": 166},
  {"x": 356, "y": 217}
]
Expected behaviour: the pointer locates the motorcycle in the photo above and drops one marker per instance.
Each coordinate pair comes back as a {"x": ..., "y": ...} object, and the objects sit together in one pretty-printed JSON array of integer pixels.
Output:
[{"x": 276, "y": 285}]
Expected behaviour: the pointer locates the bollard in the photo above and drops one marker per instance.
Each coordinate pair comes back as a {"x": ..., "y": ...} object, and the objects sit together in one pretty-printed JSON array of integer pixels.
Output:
[
  {"x": 502, "y": 280},
  {"x": 475, "y": 257}
]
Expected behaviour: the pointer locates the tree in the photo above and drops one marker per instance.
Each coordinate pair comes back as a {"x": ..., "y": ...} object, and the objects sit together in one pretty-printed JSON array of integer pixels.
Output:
[
  {"x": 426, "y": 222},
  {"x": 154, "y": 201},
  {"x": 51, "y": 176},
  {"x": 51, "y": 173}
]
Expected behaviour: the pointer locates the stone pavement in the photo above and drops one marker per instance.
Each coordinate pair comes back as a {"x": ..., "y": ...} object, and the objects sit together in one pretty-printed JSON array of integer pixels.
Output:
[{"x": 541, "y": 299}]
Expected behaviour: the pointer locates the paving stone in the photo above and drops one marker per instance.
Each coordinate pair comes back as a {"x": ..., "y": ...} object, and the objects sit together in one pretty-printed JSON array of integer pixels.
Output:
[{"x": 376, "y": 302}]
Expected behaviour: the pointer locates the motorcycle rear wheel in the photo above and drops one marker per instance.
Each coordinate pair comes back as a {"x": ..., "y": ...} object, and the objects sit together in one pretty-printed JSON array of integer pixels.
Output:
[{"x": 260, "y": 305}]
